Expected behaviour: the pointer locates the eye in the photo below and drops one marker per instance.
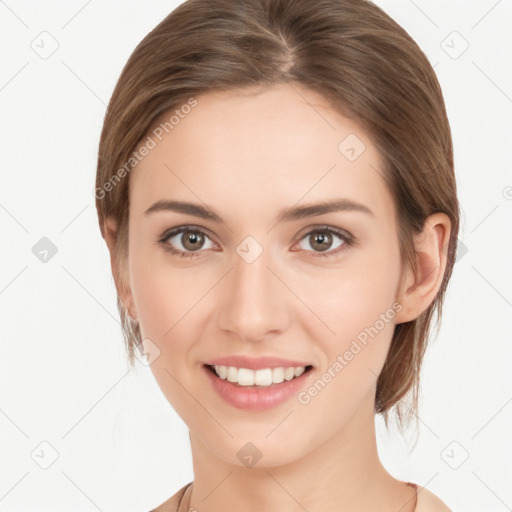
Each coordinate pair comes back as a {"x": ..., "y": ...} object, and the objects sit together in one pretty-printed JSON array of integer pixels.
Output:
[
  {"x": 321, "y": 239},
  {"x": 188, "y": 240}
]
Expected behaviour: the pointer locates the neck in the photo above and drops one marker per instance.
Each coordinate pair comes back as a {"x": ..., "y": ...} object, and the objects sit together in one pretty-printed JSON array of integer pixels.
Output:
[{"x": 344, "y": 473}]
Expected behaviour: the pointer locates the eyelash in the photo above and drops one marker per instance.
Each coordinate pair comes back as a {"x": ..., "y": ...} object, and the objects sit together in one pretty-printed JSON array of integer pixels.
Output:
[{"x": 348, "y": 240}]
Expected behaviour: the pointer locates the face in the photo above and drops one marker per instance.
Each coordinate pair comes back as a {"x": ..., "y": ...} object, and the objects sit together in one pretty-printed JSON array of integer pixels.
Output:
[{"x": 318, "y": 287}]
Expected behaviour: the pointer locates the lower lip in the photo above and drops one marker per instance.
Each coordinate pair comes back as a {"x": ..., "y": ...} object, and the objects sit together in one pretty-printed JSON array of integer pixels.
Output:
[{"x": 256, "y": 399}]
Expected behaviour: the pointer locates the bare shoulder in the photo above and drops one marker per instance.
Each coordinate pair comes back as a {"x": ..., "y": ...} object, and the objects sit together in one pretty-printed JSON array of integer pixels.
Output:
[
  {"x": 171, "y": 505},
  {"x": 429, "y": 502}
]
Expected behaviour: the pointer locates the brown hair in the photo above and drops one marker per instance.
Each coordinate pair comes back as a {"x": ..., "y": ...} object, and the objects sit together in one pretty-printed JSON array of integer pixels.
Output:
[{"x": 352, "y": 53}]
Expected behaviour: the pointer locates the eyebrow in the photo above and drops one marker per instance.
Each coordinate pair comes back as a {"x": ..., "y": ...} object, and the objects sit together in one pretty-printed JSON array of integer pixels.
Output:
[{"x": 286, "y": 215}]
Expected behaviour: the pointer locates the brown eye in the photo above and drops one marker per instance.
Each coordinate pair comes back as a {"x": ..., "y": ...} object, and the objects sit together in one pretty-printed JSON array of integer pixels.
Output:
[
  {"x": 185, "y": 242},
  {"x": 322, "y": 240},
  {"x": 192, "y": 240}
]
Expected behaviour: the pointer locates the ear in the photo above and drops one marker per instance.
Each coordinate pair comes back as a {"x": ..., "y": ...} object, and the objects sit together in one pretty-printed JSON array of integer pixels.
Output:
[
  {"x": 418, "y": 292},
  {"x": 119, "y": 272}
]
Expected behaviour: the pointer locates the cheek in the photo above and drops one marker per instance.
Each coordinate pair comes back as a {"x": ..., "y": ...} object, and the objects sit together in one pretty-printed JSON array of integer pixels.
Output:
[
  {"x": 357, "y": 303},
  {"x": 165, "y": 301},
  {"x": 163, "y": 298},
  {"x": 354, "y": 296},
  {"x": 352, "y": 358},
  {"x": 160, "y": 295}
]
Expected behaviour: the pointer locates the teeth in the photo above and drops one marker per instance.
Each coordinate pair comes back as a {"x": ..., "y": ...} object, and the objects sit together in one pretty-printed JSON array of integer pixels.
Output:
[{"x": 263, "y": 377}]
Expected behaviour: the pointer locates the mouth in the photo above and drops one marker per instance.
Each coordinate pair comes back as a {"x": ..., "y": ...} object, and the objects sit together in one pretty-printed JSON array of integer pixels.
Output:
[{"x": 262, "y": 378}]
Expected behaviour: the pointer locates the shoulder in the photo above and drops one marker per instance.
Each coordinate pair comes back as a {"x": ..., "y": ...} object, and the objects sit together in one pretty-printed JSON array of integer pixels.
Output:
[
  {"x": 171, "y": 505},
  {"x": 429, "y": 502}
]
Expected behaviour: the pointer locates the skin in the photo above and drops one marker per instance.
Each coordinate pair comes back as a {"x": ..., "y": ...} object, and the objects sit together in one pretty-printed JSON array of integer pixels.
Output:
[{"x": 247, "y": 155}]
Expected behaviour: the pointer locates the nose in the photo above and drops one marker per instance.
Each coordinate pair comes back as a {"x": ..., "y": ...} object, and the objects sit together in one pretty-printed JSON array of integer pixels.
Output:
[{"x": 253, "y": 303}]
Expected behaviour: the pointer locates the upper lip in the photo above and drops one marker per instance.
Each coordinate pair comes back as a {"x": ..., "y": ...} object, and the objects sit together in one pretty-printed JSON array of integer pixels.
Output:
[{"x": 254, "y": 363}]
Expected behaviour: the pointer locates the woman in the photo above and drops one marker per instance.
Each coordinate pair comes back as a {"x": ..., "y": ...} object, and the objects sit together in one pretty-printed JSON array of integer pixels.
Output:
[{"x": 276, "y": 188}]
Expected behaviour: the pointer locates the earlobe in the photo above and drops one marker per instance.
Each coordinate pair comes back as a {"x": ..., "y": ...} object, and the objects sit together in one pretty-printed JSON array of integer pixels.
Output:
[
  {"x": 118, "y": 271},
  {"x": 419, "y": 291}
]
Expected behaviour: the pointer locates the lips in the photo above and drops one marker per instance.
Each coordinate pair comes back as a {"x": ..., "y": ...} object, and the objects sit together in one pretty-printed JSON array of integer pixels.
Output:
[{"x": 257, "y": 398}]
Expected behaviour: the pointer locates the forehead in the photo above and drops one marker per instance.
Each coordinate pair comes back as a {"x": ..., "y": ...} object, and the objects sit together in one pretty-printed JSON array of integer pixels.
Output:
[{"x": 263, "y": 146}]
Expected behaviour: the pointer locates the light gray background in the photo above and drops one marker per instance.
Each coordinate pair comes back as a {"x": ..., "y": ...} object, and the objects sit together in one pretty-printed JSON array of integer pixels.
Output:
[{"x": 64, "y": 380}]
